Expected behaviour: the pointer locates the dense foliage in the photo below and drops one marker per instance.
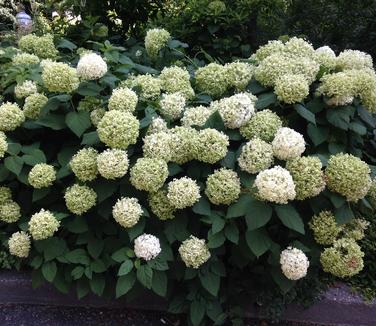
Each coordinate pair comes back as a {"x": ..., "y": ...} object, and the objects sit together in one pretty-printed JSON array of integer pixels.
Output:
[{"x": 138, "y": 167}]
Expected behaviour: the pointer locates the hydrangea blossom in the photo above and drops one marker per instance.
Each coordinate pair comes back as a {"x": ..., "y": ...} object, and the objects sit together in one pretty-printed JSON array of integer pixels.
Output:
[
  {"x": 25, "y": 59},
  {"x": 79, "y": 199},
  {"x": 19, "y": 244},
  {"x": 33, "y": 105},
  {"x": 183, "y": 192},
  {"x": 255, "y": 156},
  {"x": 112, "y": 163},
  {"x": 155, "y": 40},
  {"x": 59, "y": 77},
  {"x": 212, "y": 145},
  {"x": 42, "y": 46},
  {"x": 288, "y": 144},
  {"x": 176, "y": 80},
  {"x": 354, "y": 59},
  {"x": 272, "y": 47},
  {"x": 194, "y": 252},
  {"x": 10, "y": 211},
  {"x": 184, "y": 144},
  {"x": 3, "y": 144},
  {"x": 97, "y": 115},
  {"x": 42, "y": 175},
  {"x": 127, "y": 212},
  {"x": 11, "y": 116},
  {"x": 212, "y": 79},
  {"x": 239, "y": 74},
  {"x": 326, "y": 57},
  {"x": 123, "y": 99},
  {"x": 5, "y": 194},
  {"x": 150, "y": 87},
  {"x": 157, "y": 145},
  {"x": 148, "y": 174},
  {"x": 294, "y": 263},
  {"x": 196, "y": 116},
  {"x": 84, "y": 164},
  {"x": 43, "y": 225},
  {"x": 172, "y": 105},
  {"x": 91, "y": 66},
  {"x": 147, "y": 246},
  {"x": 324, "y": 227},
  {"x": 25, "y": 89},
  {"x": 291, "y": 88},
  {"x": 157, "y": 125},
  {"x": 160, "y": 205}
]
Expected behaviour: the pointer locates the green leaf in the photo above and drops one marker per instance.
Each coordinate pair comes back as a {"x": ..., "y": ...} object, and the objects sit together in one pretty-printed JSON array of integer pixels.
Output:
[
  {"x": 340, "y": 117},
  {"x": 318, "y": 135},
  {"x": 258, "y": 215},
  {"x": 34, "y": 157},
  {"x": 358, "y": 128},
  {"x": 82, "y": 288},
  {"x": 89, "y": 89},
  {"x": 145, "y": 276},
  {"x": 202, "y": 207},
  {"x": 282, "y": 281},
  {"x": 66, "y": 44},
  {"x": 14, "y": 164},
  {"x": 258, "y": 241},
  {"x": 232, "y": 233},
  {"x": 290, "y": 217},
  {"x": 241, "y": 207},
  {"x": 53, "y": 121},
  {"x": 77, "y": 225},
  {"x": 229, "y": 160},
  {"x": 218, "y": 223},
  {"x": 97, "y": 284},
  {"x": 78, "y": 122},
  {"x": 136, "y": 230},
  {"x": 197, "y": 312},
  {"x": 77, "y": 272},
  {"x": 306, "y": 114},
  {"x": 54, "y": 247},
  {"x": 216, "y": 240},
  {"x": 158, "y": 263},
  {"x": 95, "y": 247},
  {"x": 344, "y": 214},
  {"x": 65, "y": 155},
  {"x": 13, "y": 148},
  {"x": 39, "y": 194},
  {"x": 265, "y": 100},
  {"x": 49, "y": 270},
  {"x": 125, "y": 267},
  {"x": 120, "y": 255},
  {"x": 124, "y": 284},
  {"x": 215, "y": 121},
  {"x": 159, "y": 283},
  {"x": 98, "y": 266},
  {"x": 210, "y": 282},
  {"x": 104, "y": 189},
  {"x": 77, "y": 256},
  {"x": 90, "y": 138}
]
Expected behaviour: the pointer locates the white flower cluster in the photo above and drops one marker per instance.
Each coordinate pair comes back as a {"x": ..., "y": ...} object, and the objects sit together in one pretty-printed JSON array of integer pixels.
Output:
[
  {"x": 172, "y": 105},
  {"x": 91, "y": 67},
  {"x": 147, "y": 247},
  {"x": 294, "y": 263},
  {"x": 288, "y": 144},
  {"x": 127, "y": 212}
]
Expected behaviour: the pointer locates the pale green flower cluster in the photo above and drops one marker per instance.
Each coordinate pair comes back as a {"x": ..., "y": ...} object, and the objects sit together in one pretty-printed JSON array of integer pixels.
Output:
[
  {"x": 184, "y": 144},
  {"x": 43, "y": 225},
  {"x": 239, "y": 74},
  {"x": 176, "y": 80},
  {"x": 96, "y": 116},
  {"x": 326, "y": 57},
  {"x": 255, "y": 156},
  {"x": 160, "y": 205},
  {"x": 25, "y": 59},
  {"x": 223, "y": 187},
  {"x": 216, "y": 7},
  {"x": 11, "y": 116},
  {"x": 91, "y": 66},
  {"x": 19, "y": 244},
  {"x": 235, "y": 110},
  {"x": 148, "y": 174},
  {"x": 299, "y": 47},
  {"x": 294, "y": 263},
  {"x": 42, "y": 175},
  {"x": 42, "y": 46},
  {"x": 355, "y": 229},
  {"x": 349, "y": 176},
  {"x": 194, "y": 252},
  {"x": 5, "y": 194},
  {"x": 172, "y": 105},
  {"x": 263, "y": 124},
  {"x": 150, "y": 87},
  {"x": 325, "y": 228},
  {"x": 3, "y": 144},
  {"x": 118, "y": 129},
  {"x": 183, "y": 192},
  {"x": 343, "y": 259},
  {"x": 79, "y": 199},
  {"x": 155, "y": 40},
  {"x": 288, "y": 144},
  {"x": 272, "y": 47},
  {"x": 59, "y": 77},
  {"x": 211, "y": 145},
  {"x": 127, "y": 212},
  {"x": 33, "y": 105},
  {"x": 25, "y": 89},
  {"x": 123, "y": 99},
  {"x": 212, "y": 79},
  {"x": 291, "y": 88},
  {"x": 89, "y": 103},
  {"x": 10, "y": 211},
  {"x": 307, "y": 175},
  {"x": 372, "y": 194},
  {"x": 112, "y": 163},
  {"x": 157, "y": 146},
  {"x": 354, "y": 59},
  {"x": 84, "y": 164},
  {"x": 275, "y": 185},
  {"x": 196, "y": 116},
  {"x": 157, "y": 125}
]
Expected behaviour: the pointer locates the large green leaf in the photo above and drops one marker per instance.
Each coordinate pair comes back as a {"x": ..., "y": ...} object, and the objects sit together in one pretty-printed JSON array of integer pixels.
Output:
[
  {"x": 124, "y": 284},
  {"x": 215, "y": 121},
  {"x": 290, "y": 217},
  {"x": 49, "y": 270},
  {"x": 14, "y": 164},
  {"x": 34, "y": 157},
  {"x": 159, "y": 283},
  {"x": 78, "y": 256},
  {"x": 197, "y": 312},
  {"x": 344, "y": 214},
  {"x": 125, "y": 267},
  {"x": 241, "y": 207},
  {"x": 145, "y": 276},
  {"x": 258, "y": 215},
  {"x": 317, "y": 134},
  {"x": 306, "y": 114},
  {"x": 265, "y": 100},
  {"x": 202, "y": 207},
  {"x": 78, "y": 122},
  {"x": 210, "y": 282},
  {"x": 258, "y": 241}
]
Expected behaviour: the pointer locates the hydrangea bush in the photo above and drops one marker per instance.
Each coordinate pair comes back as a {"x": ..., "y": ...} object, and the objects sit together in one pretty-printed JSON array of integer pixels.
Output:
[{"x": 122, "y": 170}]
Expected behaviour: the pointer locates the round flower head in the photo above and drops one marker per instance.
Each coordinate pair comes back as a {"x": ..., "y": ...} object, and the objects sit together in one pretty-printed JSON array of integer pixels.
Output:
[
  {"x": 275, "y": 185},
  {"x": 184, "y": 144},
  {"x": 118, "y": 129},
  {"x": 11, "y": 116},
  {"x": 42, "y": 46},
  {"x": 43, "y": 225},
  {"x": 212, "y": 145},
  {"x": 223, "y": 187},
  {"x": 25, "y": 59},
  {"x": 5, "y": 194},
  {"x": 272, "y": 47},
  {"x": 325, "y": 228},
  {"x": 355, "y": 229},
  {"x": 354, "y": 59},
  {"x": 155, "y": 40},
  {"x": 349, "y": 176},
  {"x": 91, "y": 66},
  {"x": 147, "y": 247},
  {"x": 216, "y": 7},
  {"x": 123, "y": 99},
  {"x": 343, "y": 259},
  {"x": 19, "y": 244},
  {"x": 306, "y": 67},
  {"x": 369, "y": 100},
  {"x": 25, "y": 89},
  {"x": 294, "y": 263},
  {"x": 10, "y": 211},
  {"x": 307, "y": 175},
  {"x": 196, "y": 116},
  {"x": 172, "y": 105},
  {"x": 112, "y": 163},
  {"x": 3, "y": 144},
  {"x": 212, "y": 79},
  {"x": 255, "y": 156},
  {"x": 79, "y": 199},
  {"x": 239, "y": 74},
  {"x": 88, "y": 104},
  {"x": 235, "y": 110},
  {"x": 157, "y": 146},
  {"x": 96, "y": 116},
  {"x": 160, "y": 205},
  {"x": 59, "y": 77},
  {"x": 194, "y": 252},
  {"x": 149, "y": 174},
  {"x": 371, "y": 194},
  {"x": 288, "y": 144},
  {"x": 42, "y": 175},
  {"x": 299, "y": 47},
  {"x": 33, "y": 105},
  {"x": 183, "y": 192},
  {"x": 291, "y": 88},
  {"x": 176, "y": 80},
  {"x": 264, "y": 125},
  {"x": 150, "y": 87},
  {"x": 157, "y": 125},
  {"x": 84, "y": 164},
  {"x": 326, "y": 57},
  {"x": 127, "y": 212}
]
